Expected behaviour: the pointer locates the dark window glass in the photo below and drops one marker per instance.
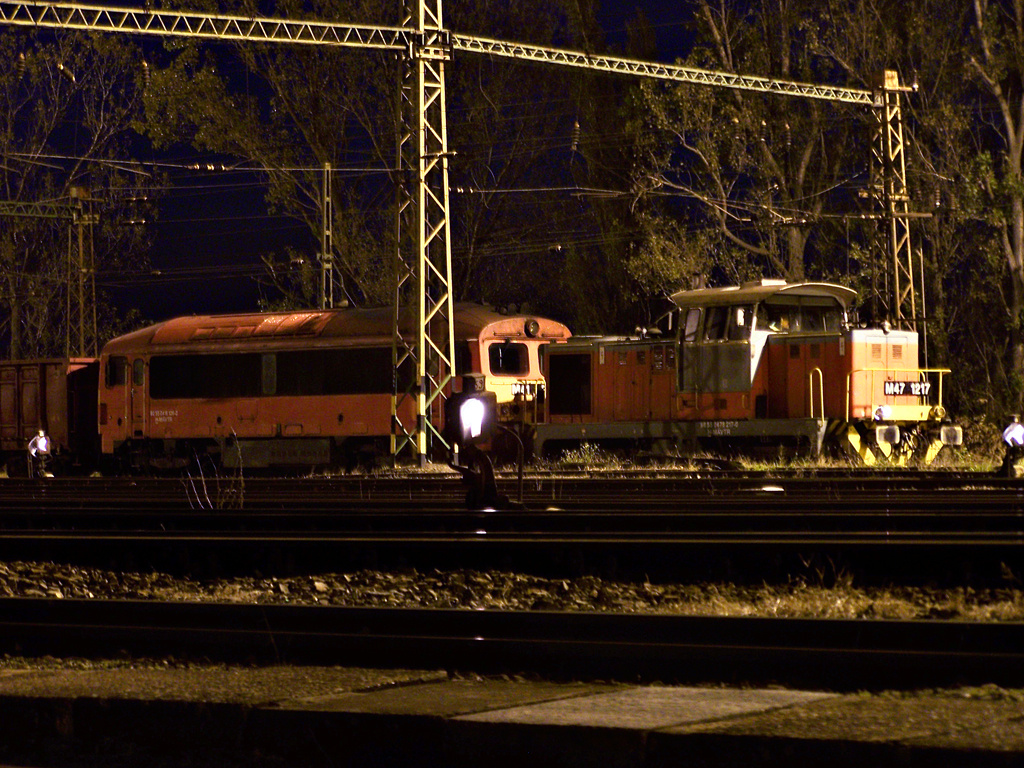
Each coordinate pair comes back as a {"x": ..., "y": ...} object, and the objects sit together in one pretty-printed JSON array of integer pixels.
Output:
[
  {"x": 716, "y": 322},
  {"x": 463, "y": 360},
  {"x": 740, "y": 319},
  {"x": 569, "y": 384},
  {"x": 139, "y": 372},
  {"x": 780, "y": 318},
  {"x": 205, "y": 376},
  {"x": 117, "y": 368},
  {"x": 295, "y": 373},
  {"x": 359, "y": 371},
  {"x": 508, "y": 359}
]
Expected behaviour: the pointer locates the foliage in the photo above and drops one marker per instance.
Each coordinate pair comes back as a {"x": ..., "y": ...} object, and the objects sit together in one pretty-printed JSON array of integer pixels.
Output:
[
  {"x": 64, "y": 113},
  {"x": 751, "y": 174}
]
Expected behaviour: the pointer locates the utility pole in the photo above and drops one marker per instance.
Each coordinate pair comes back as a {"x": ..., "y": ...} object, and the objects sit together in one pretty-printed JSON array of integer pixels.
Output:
[
  {"x": 327, "y": 243},
  {"x": 894, "y": 287},
  {"x": 80, "y": 331},
  {"x": 423, "y": 266}
]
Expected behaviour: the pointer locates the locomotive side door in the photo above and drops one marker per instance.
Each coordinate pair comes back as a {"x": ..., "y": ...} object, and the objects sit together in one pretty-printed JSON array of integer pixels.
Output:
[{"x": 138, "y": 396}]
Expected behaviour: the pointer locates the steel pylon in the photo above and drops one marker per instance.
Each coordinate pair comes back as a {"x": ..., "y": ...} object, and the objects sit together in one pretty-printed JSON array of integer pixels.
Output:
[
  {"x": 423, "y": 273},
  {"x": 893, "y": 286}
]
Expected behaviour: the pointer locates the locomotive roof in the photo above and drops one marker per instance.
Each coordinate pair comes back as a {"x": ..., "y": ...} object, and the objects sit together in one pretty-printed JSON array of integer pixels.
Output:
[
  {"x": 470, "y": 321},
  {"x": 750, "y": 293}
]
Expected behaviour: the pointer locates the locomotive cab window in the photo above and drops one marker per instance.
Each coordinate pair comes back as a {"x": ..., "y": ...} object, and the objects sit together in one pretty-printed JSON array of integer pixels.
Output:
[
  {"x": 778, "y": 318},
  {"x": 138, "y": 372},
  {"x": 821, "y": 315},
  {"x": 508, "y": 359},
  {"x": 117, "y": 371},
  {"x": 741, "y": 319},
  {"x": 715, "y": 324},
  {"x": 692, "y": 325}
]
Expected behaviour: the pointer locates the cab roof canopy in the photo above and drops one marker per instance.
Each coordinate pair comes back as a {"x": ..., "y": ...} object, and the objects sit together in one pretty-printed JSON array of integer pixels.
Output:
[{"x": 753, "y": 292}]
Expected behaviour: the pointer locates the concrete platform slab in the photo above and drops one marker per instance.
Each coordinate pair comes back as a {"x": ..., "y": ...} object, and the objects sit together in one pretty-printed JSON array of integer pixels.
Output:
[
  {"x": 857, "y": 730},
  {"x": 648, "y": 708},
  {"x": 444, "y": 698},
  {"x": 208, "y": 684}
]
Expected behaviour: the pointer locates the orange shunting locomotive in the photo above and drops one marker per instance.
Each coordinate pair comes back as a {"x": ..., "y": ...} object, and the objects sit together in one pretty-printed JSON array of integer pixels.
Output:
[{"x": 766, "y": 364}]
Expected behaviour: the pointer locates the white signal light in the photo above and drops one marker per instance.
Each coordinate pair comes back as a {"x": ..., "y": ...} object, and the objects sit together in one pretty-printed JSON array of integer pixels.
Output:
[{"x": 471, "y": 413}]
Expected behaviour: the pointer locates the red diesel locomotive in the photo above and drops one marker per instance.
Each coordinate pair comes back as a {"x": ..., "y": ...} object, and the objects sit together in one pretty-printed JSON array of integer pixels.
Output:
[
  {"x": 765, "y": 364},
  {"x": 304, "y": 388}
]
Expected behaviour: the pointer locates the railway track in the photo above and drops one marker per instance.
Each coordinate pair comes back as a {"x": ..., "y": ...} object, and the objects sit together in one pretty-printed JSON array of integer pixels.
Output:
[
  {"x": 934, "y": 525},
  {"x": 671, "y": 648},
  {"x": 538, "y": 486}
]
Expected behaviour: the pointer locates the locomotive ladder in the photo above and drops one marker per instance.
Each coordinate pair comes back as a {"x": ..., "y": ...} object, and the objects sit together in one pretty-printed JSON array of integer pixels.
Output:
[{"x": 423, "y": 261}]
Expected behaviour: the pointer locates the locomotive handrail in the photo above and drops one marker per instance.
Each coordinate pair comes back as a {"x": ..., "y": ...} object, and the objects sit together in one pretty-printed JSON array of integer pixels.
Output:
[{"x": 821, "y": 390}]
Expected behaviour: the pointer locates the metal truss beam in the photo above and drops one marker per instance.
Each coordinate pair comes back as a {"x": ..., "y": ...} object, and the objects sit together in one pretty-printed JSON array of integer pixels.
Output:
[
  {"x": 40, "y": 210},
  {"x": 98, "y": 18},
  {"x": 673, "y": 72}
]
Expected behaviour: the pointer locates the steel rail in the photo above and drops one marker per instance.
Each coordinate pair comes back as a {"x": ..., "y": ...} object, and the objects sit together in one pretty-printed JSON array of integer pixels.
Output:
[
  {"x": 288, "y": 491},
  {"x": 954, "y": 539},
  {"x": 685, "y": 519},
  {"x": 828, "y": 653}
]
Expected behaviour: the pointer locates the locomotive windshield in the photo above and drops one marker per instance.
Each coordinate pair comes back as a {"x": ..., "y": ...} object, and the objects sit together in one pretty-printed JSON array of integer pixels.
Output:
[
  {"x": 508, "y": 359},
  {"x": 728, "y": 323},
  {"x": 808, "y": 315}
]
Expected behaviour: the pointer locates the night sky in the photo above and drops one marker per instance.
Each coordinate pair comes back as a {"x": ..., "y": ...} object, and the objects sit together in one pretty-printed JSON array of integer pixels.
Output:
[{"x": 212, "y": 228}]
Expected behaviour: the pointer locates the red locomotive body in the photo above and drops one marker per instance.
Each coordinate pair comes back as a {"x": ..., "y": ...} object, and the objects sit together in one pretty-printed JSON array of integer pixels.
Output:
[
  {"x": 298, "y": 388},
  {"x": 768, "y": 363}
]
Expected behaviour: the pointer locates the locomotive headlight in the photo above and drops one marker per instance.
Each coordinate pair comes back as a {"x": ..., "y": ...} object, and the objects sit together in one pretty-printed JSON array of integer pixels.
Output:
[{"x": 883, "y": 413}]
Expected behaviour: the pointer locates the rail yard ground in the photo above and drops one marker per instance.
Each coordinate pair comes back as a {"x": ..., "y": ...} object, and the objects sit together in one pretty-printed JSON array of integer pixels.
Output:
[
  {"x": 475, "y": 590},
  {"x": 128, "y": 711},
  {"x": 75, "y": 713}
]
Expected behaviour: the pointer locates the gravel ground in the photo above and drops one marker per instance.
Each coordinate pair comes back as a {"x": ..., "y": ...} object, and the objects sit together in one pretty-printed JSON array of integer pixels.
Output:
[{"x": 511, "y": 591}]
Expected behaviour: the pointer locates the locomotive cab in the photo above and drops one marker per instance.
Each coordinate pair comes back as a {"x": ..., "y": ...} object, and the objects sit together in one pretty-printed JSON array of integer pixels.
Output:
[
  {"x": 505, "y": 350},
  {"x": 753, "y": 359}
]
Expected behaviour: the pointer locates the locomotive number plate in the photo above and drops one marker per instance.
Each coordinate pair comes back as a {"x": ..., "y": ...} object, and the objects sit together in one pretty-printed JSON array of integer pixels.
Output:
[{"x": 915, "y": 388}]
